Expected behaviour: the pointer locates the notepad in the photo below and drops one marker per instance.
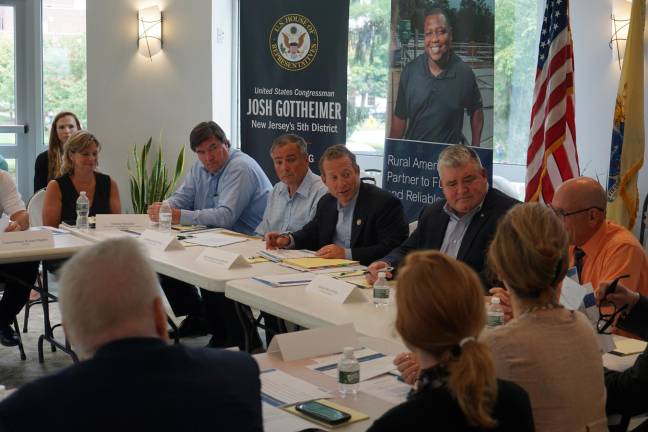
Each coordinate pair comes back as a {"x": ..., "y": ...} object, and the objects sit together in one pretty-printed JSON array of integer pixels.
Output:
[
  {"x": 626, "y": 347},
  {"x": 356, "y": 416},
  {"x": 316, "y": 262},
  {"x": 279, "y": 255}
]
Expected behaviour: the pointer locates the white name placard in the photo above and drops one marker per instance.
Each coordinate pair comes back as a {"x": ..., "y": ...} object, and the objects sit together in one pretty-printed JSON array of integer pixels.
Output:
[
  {"x": 138, "y": 222},
  {"x": 164, "y": 241},
  {"x": 21, "y": 240},
  {"x": 315, "y": 342},
  {"x": 336, "y": 290},
  {"x": 222, "y": 259}
]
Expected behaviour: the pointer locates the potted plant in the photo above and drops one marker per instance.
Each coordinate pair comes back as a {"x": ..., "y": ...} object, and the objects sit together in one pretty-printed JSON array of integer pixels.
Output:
[{"x": 148, "y": 188}]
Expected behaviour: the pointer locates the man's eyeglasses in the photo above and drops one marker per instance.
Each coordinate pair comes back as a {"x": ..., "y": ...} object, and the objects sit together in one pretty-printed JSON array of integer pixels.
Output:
[
  {"x": 606, "y": 320},
  {"x": 562, "y": 214}
]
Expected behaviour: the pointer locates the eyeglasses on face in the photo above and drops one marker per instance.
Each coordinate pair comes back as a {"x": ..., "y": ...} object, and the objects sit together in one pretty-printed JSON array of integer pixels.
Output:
[{"x": 563, "y": 214}]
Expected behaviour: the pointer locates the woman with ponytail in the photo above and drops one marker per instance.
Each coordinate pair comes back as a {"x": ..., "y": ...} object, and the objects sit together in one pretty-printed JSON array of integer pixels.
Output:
[{"x": 440, "y": 314}]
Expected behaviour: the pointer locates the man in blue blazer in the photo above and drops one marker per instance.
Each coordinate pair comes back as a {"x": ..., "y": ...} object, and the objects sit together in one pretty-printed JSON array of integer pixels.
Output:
[
  {"x": 354, "y": 220},
  {"x": 130, "y": 378},
  {"x": 463, "y": 224}
]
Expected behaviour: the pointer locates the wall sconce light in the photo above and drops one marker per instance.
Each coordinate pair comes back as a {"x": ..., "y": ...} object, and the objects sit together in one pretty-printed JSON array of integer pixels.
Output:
[
  {"x": 619, "y": 36},
  {"x": 149, "y": 38}
]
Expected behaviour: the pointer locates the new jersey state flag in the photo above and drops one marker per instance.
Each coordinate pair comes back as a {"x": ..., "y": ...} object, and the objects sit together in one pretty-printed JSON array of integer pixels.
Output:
[{"x": 628, "y": 136}]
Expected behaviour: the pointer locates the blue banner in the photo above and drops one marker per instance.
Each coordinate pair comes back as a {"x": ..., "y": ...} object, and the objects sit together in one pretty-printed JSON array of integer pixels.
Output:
[
  {"x": 293, "y": 75},
  {"x": 410, "y": 172}
]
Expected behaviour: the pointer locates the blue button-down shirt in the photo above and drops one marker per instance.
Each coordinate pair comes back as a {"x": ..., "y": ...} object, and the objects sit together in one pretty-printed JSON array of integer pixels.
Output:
[
  {"x": 285, "y": 213},
  {"x": 234, "y": 197},
  {"x": 456, "y": 230},
  {"x": 344, "y": 224}
]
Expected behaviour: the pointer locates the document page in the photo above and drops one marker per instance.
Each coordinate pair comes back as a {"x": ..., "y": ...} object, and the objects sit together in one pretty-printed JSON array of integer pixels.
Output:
[
  {"x": 372, "y": 364},
  {"x": 279, "y": 255},
  {"x": 278, "y": 388},
  {"x": 214, "y": 240},
  {"x": 388, "y": 388},
  {"x": 278, "y": 420},
  {"x": 286, "y": 280}
]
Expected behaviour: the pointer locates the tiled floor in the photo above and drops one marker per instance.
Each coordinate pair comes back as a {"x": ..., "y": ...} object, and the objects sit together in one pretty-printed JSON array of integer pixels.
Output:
[{"x": 15, "y": 372}]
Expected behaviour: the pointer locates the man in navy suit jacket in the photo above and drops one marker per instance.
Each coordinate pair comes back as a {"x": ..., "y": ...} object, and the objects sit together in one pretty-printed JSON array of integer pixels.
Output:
[
  {"x": 130, "y": 378},
  {"x": 354, "y": 220},
  {"x": 463, "y": 224}
]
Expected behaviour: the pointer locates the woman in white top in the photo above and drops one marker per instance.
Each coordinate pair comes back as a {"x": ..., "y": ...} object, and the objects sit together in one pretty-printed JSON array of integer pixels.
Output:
[{"x": 15, "y": 294}]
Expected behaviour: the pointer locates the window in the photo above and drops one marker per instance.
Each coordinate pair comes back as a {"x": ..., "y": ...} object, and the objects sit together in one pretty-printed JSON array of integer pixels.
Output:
[
  {"x": 516, "y": 29},
  {"x": 64, "y": 61},
  {"x": 8, "y": 115},
  {"x": 368, "y": 68}
]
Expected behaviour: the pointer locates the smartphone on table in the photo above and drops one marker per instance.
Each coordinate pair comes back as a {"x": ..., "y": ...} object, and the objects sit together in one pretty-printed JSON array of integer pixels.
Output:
[{"x": 323, "y": 413}]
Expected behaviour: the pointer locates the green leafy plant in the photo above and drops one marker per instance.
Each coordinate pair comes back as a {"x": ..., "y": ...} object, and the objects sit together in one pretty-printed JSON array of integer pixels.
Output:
[{"x": 148, "y": 188}]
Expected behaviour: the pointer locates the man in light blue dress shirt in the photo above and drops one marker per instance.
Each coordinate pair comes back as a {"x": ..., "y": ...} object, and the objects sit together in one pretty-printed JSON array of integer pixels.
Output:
[
  {"x": 294, "y": 199},
  {"x": 225, "y": 188}
]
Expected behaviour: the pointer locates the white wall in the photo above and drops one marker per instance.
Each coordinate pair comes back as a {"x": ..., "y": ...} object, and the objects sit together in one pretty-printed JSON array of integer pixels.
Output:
[
  {"x": 596, "y": 81},
  {"x": 131, "y": 98}
]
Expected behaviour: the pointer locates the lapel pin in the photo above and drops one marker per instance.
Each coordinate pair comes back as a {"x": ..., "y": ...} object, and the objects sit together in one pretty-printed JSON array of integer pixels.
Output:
[{"x": 359, "y": 222}]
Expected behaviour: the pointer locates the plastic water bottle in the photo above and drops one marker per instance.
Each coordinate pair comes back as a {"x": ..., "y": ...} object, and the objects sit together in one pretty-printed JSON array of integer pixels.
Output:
[
  {"x": 82, "y": 208},
  {"x": 349, "y": 373},
  {"x": 495, "y": 313},
  {"x": 164, "y": 223},
  {"x": 381, "y": 290}
]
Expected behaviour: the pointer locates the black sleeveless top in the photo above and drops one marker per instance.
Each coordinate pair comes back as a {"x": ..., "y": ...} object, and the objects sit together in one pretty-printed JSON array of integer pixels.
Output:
[{"x": 100, "y": 204}]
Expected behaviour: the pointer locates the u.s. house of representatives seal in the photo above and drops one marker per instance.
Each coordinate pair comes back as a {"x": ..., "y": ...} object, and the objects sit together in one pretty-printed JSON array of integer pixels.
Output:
[{"x": 293, "y": 42}]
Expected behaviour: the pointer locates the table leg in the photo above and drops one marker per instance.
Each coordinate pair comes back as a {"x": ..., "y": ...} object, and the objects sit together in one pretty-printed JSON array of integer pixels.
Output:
[
  {"x": 48, "y": 333},
  {"x": 243, "y": 320}
]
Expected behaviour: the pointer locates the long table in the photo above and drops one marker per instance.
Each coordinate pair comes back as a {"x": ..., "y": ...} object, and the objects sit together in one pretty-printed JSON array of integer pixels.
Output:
[
  {"x": 311, "y": 310},
  {"x": 370, "y": 405},
  {"x": 65, "y": 245},
  {"x": 181, "y": 264}
]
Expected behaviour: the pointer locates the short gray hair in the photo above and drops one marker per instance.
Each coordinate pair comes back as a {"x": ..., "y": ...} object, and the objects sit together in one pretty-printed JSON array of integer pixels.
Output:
[
  {"x": 457, "y": 155},
  {"x": 286, "y": 139},
  {"x": 103, "y": 288}
]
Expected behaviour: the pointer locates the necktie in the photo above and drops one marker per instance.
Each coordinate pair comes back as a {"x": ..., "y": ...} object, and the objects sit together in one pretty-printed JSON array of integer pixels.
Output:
[{"x": 579, "y": 256}]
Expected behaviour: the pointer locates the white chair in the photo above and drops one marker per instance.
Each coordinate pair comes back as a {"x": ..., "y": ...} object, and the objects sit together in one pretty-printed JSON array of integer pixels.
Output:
[
  {"x": 35, "y": 211},
  {"x": 35, "y": 208}
]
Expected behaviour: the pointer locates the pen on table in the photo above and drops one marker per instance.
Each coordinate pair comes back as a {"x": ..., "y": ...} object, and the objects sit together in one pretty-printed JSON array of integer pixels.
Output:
[
  {"x": 293, "y": 282},
  {"x": 353, "y": 272}
]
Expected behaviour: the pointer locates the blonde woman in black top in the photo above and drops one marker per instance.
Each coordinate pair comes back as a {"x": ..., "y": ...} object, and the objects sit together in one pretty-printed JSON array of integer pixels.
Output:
[{"x": 78, "y": 173}]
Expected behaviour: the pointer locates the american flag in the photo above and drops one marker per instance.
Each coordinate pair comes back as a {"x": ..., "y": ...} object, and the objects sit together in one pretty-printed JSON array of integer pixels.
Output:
[{"x": 552, "y": 156}]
